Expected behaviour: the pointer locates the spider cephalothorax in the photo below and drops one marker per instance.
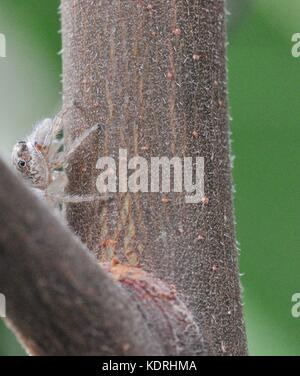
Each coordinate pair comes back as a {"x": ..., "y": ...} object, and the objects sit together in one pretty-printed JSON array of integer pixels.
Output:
[
  {"x": 41, "y": 161},
  {"x": 36, "y": 157},
  {"x": 30, "y": 162}
]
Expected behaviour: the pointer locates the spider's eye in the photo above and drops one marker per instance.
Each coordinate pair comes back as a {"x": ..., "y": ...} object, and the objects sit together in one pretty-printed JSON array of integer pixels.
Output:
[{"x": 21, "y": 163}]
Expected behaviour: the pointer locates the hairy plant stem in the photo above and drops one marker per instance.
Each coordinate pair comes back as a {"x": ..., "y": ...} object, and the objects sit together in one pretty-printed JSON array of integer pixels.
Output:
[{"x": 153, "y": 74}]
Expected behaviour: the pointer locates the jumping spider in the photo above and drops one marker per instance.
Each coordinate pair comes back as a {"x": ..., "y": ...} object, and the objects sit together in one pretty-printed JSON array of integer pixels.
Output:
[{"x": 41, "y": 160}]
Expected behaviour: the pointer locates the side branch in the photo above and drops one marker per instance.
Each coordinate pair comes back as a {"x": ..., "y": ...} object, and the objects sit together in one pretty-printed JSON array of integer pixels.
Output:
[{"x": 59, "y": 301}]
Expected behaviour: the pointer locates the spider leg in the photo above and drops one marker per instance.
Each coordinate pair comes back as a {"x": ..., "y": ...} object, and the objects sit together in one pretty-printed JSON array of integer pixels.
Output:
[
  {"x": 57, "y": 127},
  {"x": 42, "y": 134},
  {"x": 58, "y": 184},
  {"x": 77, "y": 142},
  {"x": 55, "y": 156},
  {"x": 57, "y": 123},
  {"x": 78, "y": 199},
  {"x": 56, "y": 192},
  {"x": 58, "y": 119}
]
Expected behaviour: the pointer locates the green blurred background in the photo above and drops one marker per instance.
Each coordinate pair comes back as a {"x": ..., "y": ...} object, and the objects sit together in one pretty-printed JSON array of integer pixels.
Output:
[{"x": 264, "y": 89}]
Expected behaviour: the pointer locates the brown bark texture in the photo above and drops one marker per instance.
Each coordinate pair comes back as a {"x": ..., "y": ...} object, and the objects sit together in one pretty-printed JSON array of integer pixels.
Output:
[{"x": 153, "y": 74}]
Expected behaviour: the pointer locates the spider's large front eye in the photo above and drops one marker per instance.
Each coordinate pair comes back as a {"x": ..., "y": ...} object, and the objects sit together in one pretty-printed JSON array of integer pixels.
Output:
[{"x": 21, "y": 163}]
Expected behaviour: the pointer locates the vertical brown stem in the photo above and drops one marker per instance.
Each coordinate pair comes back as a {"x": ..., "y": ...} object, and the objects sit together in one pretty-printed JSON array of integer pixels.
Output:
[{"x": 154, "y": 74}]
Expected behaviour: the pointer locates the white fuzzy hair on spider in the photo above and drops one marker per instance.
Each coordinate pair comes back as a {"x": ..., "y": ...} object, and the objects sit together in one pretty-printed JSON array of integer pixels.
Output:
[{"x": 41, "y": 159}]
